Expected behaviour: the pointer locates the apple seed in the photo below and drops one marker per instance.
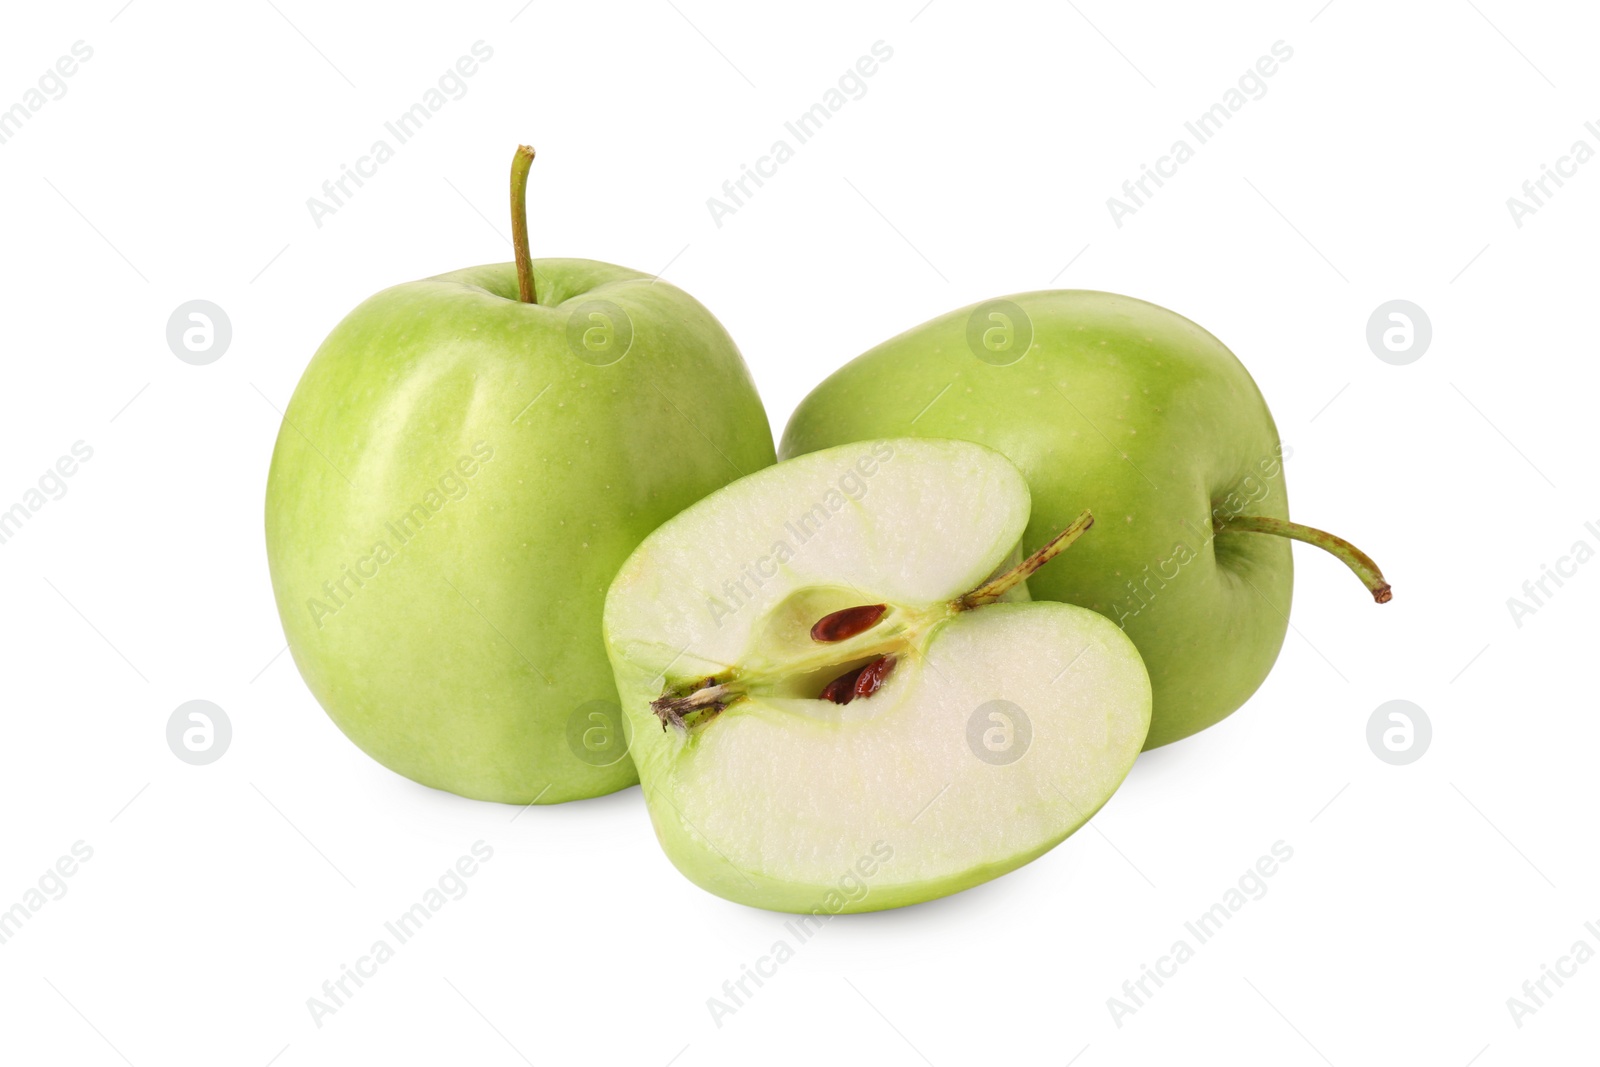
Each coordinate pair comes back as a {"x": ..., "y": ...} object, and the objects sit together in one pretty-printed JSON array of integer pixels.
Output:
[
  {"x": 846, "y": 623},
  {"x": 872, "y": 676},
  {"x": 842, "y": 690}
]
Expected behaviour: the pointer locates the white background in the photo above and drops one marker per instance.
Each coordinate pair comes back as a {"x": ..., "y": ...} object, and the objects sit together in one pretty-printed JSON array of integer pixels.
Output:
[{"x": 1377, "y": 166}]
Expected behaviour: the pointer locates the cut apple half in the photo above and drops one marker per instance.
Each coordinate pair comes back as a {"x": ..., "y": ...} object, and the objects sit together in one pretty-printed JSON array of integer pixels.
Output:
[{"x": 838, "y": 695}]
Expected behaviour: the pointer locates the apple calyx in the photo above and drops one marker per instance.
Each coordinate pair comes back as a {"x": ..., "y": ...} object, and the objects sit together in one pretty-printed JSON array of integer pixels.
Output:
[
  {"x": 705, "y": 702},
  {"x": 858, "y": 668},
  {"x": 520, "y": 163},
  {"x": 1358, "y": 561}
]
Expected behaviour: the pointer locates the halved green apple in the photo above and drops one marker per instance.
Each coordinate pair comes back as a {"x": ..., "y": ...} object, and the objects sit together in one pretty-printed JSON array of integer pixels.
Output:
[{"x": 838, "y": 695}]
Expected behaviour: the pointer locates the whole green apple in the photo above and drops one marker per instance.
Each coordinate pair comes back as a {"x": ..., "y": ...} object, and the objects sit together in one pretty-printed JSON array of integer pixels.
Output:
[
  {"x": 1139, "y": 415},
  {"x": 465, "y": 464}
]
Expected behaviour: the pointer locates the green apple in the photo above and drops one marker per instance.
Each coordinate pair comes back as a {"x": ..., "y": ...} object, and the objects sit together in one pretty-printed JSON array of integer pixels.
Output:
[
  {"x": 839, "y": 697},
  {"x": 1136, "y": 413},
  {"x": 463, "y": 467}
]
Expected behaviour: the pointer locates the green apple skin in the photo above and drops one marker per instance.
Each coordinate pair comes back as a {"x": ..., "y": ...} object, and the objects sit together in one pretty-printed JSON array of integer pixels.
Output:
[
  {"x": 453, "y": 488},
  {"x": 1135, "y": 413}
]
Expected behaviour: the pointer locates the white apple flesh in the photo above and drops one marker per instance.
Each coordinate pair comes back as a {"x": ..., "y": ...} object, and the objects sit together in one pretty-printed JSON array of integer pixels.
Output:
[{"x": 998, "y": 730}]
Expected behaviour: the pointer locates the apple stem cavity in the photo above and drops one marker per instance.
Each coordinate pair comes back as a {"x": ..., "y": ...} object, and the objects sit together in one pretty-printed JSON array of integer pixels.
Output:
[
  {"x": 520, "y": 163},
  {"x": 1352, "y": 557},
  {"x": 1000, "y": 584}
]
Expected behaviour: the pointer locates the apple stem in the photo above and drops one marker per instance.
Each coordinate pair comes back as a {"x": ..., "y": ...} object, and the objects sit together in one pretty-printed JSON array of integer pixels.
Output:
[
  {"x": 520, "y": 163},
  {"x": 998, "y": 586},
  {"x": 1352, "y": 557}
]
